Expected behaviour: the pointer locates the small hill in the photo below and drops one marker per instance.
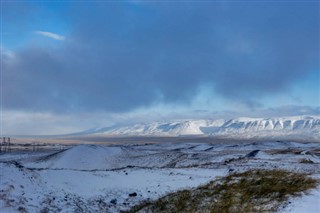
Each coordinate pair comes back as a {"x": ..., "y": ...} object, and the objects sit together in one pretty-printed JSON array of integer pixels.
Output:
[{"x": 81, "y": 157}]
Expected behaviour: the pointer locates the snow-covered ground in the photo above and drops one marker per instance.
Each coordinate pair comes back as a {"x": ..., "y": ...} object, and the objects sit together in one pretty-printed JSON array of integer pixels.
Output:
[
  {"x": 105, "y": 178},
  {"x": 309, "y": 202}
]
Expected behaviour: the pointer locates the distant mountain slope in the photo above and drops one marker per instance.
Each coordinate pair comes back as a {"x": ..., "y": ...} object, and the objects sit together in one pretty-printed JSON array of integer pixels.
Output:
[{"x": 299, "y": 126}]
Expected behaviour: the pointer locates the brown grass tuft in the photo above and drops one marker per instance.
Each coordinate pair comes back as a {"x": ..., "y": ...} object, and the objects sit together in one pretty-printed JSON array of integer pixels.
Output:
[{"x": 250, "y": 191}]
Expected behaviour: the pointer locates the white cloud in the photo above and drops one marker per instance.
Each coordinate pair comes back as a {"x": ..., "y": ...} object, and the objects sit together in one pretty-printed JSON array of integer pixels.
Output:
[
  {"x": 6, "y": 53},
  {"x": 50, "y": 35},
  {"x": 45, "y": 123}
]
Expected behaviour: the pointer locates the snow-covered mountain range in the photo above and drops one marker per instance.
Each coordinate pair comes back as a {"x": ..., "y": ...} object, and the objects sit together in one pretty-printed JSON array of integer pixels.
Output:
[{"x": 307, "y": 127}]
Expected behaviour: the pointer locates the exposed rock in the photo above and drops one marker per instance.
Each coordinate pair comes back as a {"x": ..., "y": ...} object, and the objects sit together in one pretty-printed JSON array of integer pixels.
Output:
[
  {"x": 133, "y": 194},
  {"x": 252, "y": 154}
]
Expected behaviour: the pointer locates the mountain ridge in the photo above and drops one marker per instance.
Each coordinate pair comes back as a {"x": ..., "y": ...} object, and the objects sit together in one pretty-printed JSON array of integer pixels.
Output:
[{"x": 243, "y": 127}]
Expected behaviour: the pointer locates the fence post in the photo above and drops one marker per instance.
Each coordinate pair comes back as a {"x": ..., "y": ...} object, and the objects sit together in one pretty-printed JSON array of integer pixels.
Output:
[
  {"x": 5, "y": 144},
  {"x": 9, "y": 145}
]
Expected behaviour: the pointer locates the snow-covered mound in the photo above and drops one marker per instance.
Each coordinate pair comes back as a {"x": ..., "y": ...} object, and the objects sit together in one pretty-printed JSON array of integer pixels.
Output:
[
  {"x": 81, "y": 157},
  {"x": 293, "y": 127}
]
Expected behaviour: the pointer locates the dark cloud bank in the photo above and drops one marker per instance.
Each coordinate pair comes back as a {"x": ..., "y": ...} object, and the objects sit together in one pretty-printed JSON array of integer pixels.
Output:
[{"x": 118, "y": 57}]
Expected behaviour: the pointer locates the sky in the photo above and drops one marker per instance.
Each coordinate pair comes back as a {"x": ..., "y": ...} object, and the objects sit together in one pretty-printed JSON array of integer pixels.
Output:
[{"x": 68, "y": 66}]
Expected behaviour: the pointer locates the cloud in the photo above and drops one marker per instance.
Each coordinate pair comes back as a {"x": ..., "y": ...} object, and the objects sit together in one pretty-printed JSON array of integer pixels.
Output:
[
  {"x": 50, "y": 35},
  {"x": 289, "y": 110},
  {"x": 37, "y": 123},
  {"x": 126, "y": 56},
  {"x": 6, "y": 54}
]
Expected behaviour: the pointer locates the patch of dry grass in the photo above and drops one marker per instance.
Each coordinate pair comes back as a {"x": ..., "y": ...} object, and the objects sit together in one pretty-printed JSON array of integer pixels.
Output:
[
  {"x": 285, "y": 151},
  {"x": 304, "y": 160},
  {"x": 251, "y": 191}
]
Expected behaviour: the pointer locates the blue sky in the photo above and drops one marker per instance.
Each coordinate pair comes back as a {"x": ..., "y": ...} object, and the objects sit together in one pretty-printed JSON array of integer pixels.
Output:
[{"x": 67, "y": 66}]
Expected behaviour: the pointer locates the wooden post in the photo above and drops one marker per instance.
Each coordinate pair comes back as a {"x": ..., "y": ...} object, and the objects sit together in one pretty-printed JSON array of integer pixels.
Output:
[
  {"x": 5, "y": 144},
  {"x": 9, "y": 145}
]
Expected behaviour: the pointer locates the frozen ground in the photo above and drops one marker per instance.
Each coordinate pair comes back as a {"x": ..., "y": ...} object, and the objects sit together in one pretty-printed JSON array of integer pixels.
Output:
[{"x": 104, "y": 178}]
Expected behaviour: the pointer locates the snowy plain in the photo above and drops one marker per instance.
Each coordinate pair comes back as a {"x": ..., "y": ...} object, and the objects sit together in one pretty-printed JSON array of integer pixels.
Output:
[{"x": 113, "y": 178}]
